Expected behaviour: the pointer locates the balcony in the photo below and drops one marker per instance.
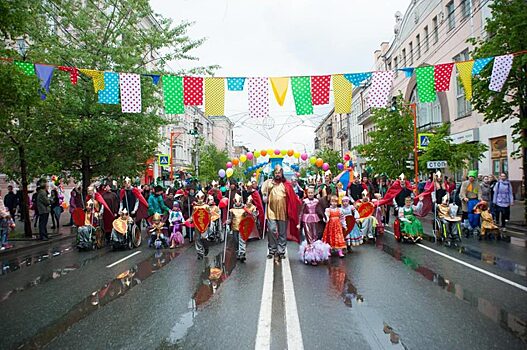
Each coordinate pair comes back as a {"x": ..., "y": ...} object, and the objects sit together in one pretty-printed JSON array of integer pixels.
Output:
[{"x": 364, "y": 118}]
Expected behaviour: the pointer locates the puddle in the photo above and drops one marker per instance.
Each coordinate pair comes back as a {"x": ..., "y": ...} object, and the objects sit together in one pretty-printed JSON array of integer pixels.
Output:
[
  {"x": 500, "y": 263},
  {"x": 340, "y": 283},
  {"x": 211, "y": 278},
  {"x": 111, "y": 291},
  {"x": 506, "y": 320},
  {"x": 16, "y": 264}
]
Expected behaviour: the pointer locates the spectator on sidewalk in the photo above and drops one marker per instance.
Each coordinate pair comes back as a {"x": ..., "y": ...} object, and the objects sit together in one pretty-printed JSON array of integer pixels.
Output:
[
  {"x": 56, "y": 209},
  {"x": 11, "y": 201},
  {"x": 492, "y": 181},
  {"x": 44, "y": 208},
  {"x": 486, "y": 190},
  {"x": 7, "y": 224},
  {"x": 470, "y": 195},
  {"x": 34, "y": 206},
  {"x": 503, "y": 199}
]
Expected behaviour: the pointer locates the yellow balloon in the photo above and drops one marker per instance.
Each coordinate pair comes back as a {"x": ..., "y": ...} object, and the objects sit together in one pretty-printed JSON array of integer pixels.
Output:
[
  {"x": 256, "y": 154},
  {"x": 229, "y": 172},
  {"x": 270, "y": 152},
  {"x": 297, "y": 155},
  {"x": 243, "y": 158},
  {"x": 283, "y": 152},
  {"x": 312, "y": 160}
]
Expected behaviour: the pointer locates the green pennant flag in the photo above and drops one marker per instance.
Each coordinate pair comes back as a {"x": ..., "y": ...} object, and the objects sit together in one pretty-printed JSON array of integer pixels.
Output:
[
  {"x": 301, "y": 87},
  {"x": 26, "y": 67},
  {"x": 173, "y": 94},
  {"x": 425, "y": 84}
]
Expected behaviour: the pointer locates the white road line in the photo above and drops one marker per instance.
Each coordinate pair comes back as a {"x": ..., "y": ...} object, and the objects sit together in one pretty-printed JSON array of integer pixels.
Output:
[
  {"x": 263, "y": 334},
  {"x": 123, "y": 259},
  {"x": 294, "y": 333},
  {"x": 499, "y": 278}
]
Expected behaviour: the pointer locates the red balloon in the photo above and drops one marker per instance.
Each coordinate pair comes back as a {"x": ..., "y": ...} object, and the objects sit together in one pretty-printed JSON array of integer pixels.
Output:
[{"x": 224, "y": 202}]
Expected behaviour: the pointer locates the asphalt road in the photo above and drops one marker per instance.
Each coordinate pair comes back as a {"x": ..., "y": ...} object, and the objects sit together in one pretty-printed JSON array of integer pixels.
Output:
[{"x": 382, "y": 295}]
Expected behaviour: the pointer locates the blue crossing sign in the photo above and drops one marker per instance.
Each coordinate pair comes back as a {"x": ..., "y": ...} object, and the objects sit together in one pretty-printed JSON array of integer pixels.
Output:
[
  {"x": 163, "y": 159},
  {"x": 423, "y": 140}
]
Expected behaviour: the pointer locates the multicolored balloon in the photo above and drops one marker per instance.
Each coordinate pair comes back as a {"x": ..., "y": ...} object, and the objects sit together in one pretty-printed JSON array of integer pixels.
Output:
[
  {"x": 325, "y": 166},
  {"x": 228, "y": 165},
  {"x": 296, "y": 155},
  {"x": 221, "y": 173},
  {"x": 229, "y": 172},
  {"x": 319, "y": 162},
  {"x": 263, "y": 153},
  {"x": 304, "y": 157},
  {"x": 250, "y": 155},
  {"x": 313, "y": 160},
  {"x": 243, "y": 158},
  {"x": 340, "y": 166}
]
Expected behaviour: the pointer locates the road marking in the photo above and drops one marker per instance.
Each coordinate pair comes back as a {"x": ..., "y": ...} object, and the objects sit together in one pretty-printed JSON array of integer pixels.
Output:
[
  {"x": 123, "y": 259},
  {"x": 263, "y": 334},
  {"x": 292, "y": 322},
  {"x": 499, "y": 278}
]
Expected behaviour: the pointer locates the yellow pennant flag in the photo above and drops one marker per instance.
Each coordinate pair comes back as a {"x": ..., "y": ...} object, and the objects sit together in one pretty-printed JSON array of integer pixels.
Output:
[
  {"x": 342, "y": 91},
  {"x": 465, "y": 74},
  {"x": 97, "y": 77},
  {"x": 214, "y": 96},
  {"x": 280, "y": 89}
]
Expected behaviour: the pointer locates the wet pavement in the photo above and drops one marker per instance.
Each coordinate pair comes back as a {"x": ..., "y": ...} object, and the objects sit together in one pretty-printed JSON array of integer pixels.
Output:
[{"x": 385, "y": 295}]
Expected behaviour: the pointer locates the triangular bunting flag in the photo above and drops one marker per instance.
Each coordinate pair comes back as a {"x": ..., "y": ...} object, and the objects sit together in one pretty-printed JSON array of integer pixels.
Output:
[
  {"x": 381, "y": 86},
  {"x": 97, "y": 77},
  {"x": 26, "y": 67},
  {"x": 408, "y": 71},
  {"x": 235, "y": 84},
  {"x": 320, "y": 89},
  {"x": 342, "y": 90},
  {"x": 479, "y": 64},
  {"x": 193, "y": 91},
  {"x": 442, "y": 76},
  {"x": 500, "y": 71},
  {"x": 301, "y": 87},
  {"x": 357, "y": 78},
  {"x": 214, "y": 96},
  {"x": 425, "y": 84},
  {"x": 74, "y": 73},
  {"x": 280, "y": 86},
  {"x": 155, "y": 78},
  {"x": 465, "y": 74},
  {"x": 44, "y": 74},
  {"x": 173, "y": 94},
  {"x": 130, "y": 86},
  {"x": 258, "y": 97},
  {"x": 110, "y": 94}
]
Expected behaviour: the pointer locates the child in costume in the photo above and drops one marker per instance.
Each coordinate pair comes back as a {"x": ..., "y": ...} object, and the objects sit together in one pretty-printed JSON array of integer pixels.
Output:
[
  {"x": 487, "y": 221},
  {"x": 312, "y": 250},
  {"x": 367, "y": 223},
  {"x": 447, "y": 214},
  {"x": 215, "y": 214},
  {"x": 236, "y": 214},
  {"x": 379, "y": 214},
  {"x": 410, "y": 226},
  {"x": 6, "y": 225},
  {"x": 201, "y": 242},
  {"x": 175, "y": 218},
  {"x": 354, "y": 238},
  {"x": 335, "y": 226},
  {"x": 157, "y": 236},
  {"x": 251, "y": 208}
]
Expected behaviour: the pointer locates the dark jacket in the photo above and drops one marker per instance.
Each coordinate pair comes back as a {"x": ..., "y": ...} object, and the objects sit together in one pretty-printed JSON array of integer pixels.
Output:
[
  {"x": 43, "y": 203},
  {"x": 11, "y": 200}
]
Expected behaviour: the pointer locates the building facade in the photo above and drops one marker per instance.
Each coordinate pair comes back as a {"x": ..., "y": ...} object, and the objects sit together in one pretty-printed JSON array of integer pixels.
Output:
[{"x": 334, "y": 133}]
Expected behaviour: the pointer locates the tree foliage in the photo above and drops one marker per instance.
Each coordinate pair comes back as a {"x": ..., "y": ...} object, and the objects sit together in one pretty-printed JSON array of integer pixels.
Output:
[
  {"x": 211, "y": 159},
  {"x": 441, "y": 147},
  {"x": 392, "y": 141},
  {"x": 329, "y": 156}
]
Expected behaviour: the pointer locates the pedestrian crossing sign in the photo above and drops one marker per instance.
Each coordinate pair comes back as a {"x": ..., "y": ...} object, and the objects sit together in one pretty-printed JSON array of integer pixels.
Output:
[
  {"x": 424, "y": 140},
  {"x": 163, "y": 159}
]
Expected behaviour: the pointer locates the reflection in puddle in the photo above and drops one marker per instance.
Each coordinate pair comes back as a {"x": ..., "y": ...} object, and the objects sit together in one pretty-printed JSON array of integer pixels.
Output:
[
  {"x": 101, "y": 297},
  {"x": 501, "y": 263},
  {"x": 28, "y": 260},
  {"x": 342, "y": 284},
  {"x": 506, "y": 320}
]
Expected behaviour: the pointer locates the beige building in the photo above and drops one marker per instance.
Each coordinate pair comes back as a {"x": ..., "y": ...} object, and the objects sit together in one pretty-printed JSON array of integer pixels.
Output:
[
  {"x": 333, "y": 132},
  {"x": 433, "y": 32}
]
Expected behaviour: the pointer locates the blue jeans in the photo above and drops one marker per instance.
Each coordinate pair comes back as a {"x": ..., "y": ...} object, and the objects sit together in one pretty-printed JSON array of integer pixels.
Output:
[
  {"x": 473, "y": 219},
  {"x": 3, "y": 236}
]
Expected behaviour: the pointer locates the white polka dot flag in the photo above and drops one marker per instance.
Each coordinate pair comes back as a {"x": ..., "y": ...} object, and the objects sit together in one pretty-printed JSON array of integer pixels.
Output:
[
  {"x": 442, "y": 76},
  {"x": 381, "y": 86},
  {"x": 258, "y": 97},
  {"x": 192, "y": 91},
  {"x": 500, "y": 71},
  {"x": 130, "y": 85},
  {"x": 320, "y": 89},
  {"x": 110, "y": 94}
]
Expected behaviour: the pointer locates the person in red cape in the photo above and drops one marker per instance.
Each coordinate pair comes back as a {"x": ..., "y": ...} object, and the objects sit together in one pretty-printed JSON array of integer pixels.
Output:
[
  {"x": 133, "y": 201},
  {"x": 257, "y": 201},
  {"x": 95, "y": 207},
  {"x": 113, "y": 202},
  {"x": 282, "y": 213}
]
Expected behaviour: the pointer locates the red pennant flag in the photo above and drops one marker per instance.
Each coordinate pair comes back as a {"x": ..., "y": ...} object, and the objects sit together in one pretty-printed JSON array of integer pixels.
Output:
[
  {"x": 192, "y": 91},
  {"x": 74, "y": 73},
  {"x": 442, "y": 75},
  {"x": 320, "y": 89}
]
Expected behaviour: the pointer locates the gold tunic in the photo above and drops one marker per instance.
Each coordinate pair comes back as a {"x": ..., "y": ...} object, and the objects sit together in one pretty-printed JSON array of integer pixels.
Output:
[
  {"x": 237, "y": 216},
  {"x": 276, "y": 200}
]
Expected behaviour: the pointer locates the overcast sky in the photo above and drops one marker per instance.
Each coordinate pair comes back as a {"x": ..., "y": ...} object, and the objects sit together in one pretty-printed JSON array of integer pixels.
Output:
[{"x": 283, "y": 38}]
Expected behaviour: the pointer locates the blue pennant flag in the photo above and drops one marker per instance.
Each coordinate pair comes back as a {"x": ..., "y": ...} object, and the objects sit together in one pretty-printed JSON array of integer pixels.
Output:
[
  {"x": 155, "y": 78},
  {"x": 408, "y": 71},
  {"x": 357, "y": 78},
  {"x": 235, "y": 84},
  {"x": 44, "y": 74},
  {"x": 479, "y": 64}
]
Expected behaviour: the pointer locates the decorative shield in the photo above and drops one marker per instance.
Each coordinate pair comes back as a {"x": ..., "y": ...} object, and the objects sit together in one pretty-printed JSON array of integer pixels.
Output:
[
  {"x": 201, "y": 219},
  {"x": 78, "y": 217},
  {"x": 120, "y": 226},
  {"x": 366, "y": 209},
  {"x": 350, "y": 223},
  {"x": 246, "y": 227}
]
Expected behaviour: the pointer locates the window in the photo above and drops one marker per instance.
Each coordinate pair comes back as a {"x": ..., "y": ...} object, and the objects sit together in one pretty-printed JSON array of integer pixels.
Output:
[
  {"x": 464, "y": 108},
  {"x": 466, "y": 8},
  {"x": 435, "y": 30},
  {"x": 499, "y": 155},
  {"x": 418, "y": 46},
  {"x": 428, "y": 114},
  {"x": 395, "y": 63},
  {"x": 426, "y": 39},
  {"x": 389, "y": 65},
  {"x": 404, "y": 58},
  {"x": 450, "y": 14},
  {"x": 411, "y": 52}
]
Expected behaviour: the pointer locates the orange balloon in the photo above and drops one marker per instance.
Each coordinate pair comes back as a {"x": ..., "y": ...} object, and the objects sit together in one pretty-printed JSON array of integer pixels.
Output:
[
  {"x": 235, "y": 161},
  {"x": 319, "y": 162},
  {"x": 290, "y": 153},
  {"x": 263, "y": 153}
]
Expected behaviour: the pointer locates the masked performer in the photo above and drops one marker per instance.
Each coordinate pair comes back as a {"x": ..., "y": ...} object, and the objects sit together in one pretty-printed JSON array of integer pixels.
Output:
[{"x": 201, "y": 242}]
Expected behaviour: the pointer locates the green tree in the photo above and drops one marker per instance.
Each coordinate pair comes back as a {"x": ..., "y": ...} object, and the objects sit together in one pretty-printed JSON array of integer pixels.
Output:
[
  {"x": 506, "y": 33},
  {"x": 392, "y": 141},
  {"x": 329, "y": 156},
  {"x": 211, "y": 159},
  {"x": 441, "y": 147}
]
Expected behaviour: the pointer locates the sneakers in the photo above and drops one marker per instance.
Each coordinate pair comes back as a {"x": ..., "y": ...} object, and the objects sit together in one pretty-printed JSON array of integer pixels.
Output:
[
  {"x": 270, "y": 256},
  {"x": 340, "y": 253},
  {"x": 242, "y": 258}
]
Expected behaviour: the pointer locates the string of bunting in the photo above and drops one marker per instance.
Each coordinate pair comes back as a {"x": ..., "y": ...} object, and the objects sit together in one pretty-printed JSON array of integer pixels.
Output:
[{"x": 308, "y": 91}]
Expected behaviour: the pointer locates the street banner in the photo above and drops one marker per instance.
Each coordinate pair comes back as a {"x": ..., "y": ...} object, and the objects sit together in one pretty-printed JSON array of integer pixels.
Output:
[
  {"x": 44, "y": 74},
  {"x": 192, "y": 91},
  {"x": 26, "y": 67},
  {"x": 279, "y": 86},
  {"x": 381, "y": 86},
  {"x": 235, "y": 84},
  {"x": 465, "y": 74},
  {"x": 173, "y": 94},
  {"x": 74, "y": 73},
  {"x": 425, "y": 84},
  {"x": 357, "y": 78},
  {"x": 500, "y": 71},
  {"x": 214, "y": 96},
  {"x": 442, "y": 76},
  {"x": 258, "y": 97},
  {"x": 320, "y": 89},
  {"x": 130, "y": 85},
  {"x": 110, "y": 94},
  {"x": 301, "y": 87},
  {"x": 479, "y": 64},
  {"x": 342, "y": 92},
  {"x": 97, "y": 77}
]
